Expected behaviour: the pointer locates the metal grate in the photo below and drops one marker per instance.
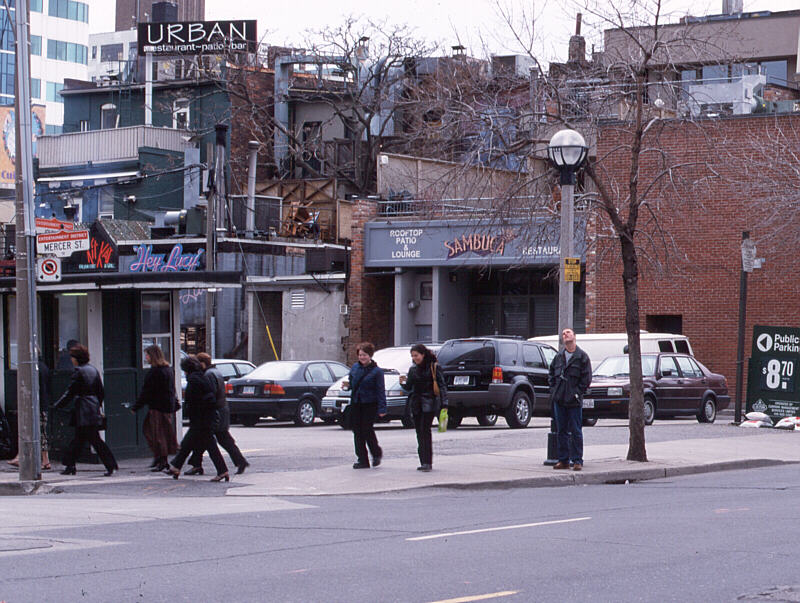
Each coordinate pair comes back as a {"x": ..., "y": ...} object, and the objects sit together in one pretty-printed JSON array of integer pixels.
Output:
[{"x": 298, "y": 300}]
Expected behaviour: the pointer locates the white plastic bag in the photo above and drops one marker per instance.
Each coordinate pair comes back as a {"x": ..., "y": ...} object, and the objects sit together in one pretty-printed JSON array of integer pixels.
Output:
[
  {"x": 788, "y": 423},
  {"x": 752, "y": 423},
  {"x": 758, "y": 416}
]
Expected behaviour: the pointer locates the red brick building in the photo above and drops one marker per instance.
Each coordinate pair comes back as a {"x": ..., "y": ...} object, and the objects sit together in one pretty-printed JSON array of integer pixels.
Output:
[{"x": 747, "y": 182}]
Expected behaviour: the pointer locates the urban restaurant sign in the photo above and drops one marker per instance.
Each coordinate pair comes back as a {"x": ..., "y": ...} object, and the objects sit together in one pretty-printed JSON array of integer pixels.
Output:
[
  {"x": 174, "y": 261},
  {"x": 450, "y": 243},
  {"x": 196, "y": 37}
]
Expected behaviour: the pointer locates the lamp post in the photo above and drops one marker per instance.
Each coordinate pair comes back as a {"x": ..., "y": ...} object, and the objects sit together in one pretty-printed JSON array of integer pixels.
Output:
[{"x": 567, "y": 150}]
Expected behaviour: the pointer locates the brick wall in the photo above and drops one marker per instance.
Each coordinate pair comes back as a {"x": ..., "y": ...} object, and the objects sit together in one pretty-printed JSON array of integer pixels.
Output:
[
  {"x": 251, "y": 94},
  {"x": 699, "y": 278},
  {"x": 371, "y": 298}
]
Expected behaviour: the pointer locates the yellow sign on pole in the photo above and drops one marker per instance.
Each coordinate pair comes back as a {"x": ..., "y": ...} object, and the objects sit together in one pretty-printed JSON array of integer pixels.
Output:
[{"x": 572, "y": 270}]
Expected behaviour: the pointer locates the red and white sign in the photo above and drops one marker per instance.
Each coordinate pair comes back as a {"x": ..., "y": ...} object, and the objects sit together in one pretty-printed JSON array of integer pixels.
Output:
[
  {"x": 62, "y": 244},
  {"x": 48, "y": 269},
  {"x": 51, "y": 224}
]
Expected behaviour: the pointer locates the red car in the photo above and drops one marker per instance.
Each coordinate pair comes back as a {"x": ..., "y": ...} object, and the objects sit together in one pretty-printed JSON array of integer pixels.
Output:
[{"x": 674, "y": 384}]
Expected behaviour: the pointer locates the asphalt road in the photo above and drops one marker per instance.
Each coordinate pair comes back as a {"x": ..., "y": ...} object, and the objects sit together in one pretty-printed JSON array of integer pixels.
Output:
[{"x": 712, "y": 537}]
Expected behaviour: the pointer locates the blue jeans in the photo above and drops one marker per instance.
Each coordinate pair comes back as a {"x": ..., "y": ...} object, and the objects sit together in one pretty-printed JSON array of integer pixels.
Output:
[{"x": 569, "y": 431}]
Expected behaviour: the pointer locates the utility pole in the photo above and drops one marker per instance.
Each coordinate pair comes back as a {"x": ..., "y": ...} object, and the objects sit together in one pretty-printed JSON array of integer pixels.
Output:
[
  {"x": 216, "y": 207},
  {"x": 748, "y": 263},
  {"x": 30, "y": 446}
]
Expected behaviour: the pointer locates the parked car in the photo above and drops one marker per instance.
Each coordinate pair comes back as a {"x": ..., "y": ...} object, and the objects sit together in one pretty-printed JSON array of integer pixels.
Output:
[
  {"x": 283, "y": 389},
  {"x": 394, "y": 362},
  {"x": 674, "y": 384},
  {"x": 497, "y": 375},
  {"x": 600, "y": 346},
  {"x": 229, "y": 367}
]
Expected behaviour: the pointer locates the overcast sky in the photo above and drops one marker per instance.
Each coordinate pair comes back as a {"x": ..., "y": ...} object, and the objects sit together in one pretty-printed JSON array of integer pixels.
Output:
[{"x": 474, "y": 23}]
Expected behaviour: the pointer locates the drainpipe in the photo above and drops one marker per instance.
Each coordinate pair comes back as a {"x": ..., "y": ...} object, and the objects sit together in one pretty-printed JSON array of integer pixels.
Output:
[{"x": 250, "y": 222}]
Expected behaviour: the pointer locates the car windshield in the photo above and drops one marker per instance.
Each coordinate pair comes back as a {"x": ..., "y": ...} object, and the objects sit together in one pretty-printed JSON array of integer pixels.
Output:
[
  {"x": 275, "y": 371},
  {"x": 617, "y": 366}
]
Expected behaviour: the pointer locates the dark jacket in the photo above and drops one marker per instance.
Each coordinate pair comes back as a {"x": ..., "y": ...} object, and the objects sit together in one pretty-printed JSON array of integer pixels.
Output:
[
  {"x": 368, "y": 386},
  {"x": 44, "y": 386},
  {"x": 217, "y": 381},
  {"x": 86, "y": 390},
  {"x": 158, "y": 390},
  {"x": 201, "y": 401},
  {"x": 420, "y": 385},
  {"x": 569, "y": 382}
]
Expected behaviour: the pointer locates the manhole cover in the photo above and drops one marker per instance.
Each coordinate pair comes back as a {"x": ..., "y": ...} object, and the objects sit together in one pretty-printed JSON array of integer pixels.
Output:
[{"x": 23, "y": 544}]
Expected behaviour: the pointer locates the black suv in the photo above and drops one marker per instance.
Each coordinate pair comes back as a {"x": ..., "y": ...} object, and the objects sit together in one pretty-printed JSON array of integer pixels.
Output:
[{"x": 497, "y": 375}]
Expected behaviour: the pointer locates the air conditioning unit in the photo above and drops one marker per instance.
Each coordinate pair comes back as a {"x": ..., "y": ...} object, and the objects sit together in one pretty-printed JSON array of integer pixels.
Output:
[{"x": 325, "y": 259}]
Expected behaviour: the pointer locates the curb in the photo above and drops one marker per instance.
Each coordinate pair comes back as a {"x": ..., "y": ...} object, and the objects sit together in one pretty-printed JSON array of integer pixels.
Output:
[{"x": 22, "y": 488}]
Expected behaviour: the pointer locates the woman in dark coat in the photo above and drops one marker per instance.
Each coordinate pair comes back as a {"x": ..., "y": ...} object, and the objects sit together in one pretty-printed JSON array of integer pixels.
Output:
[
  {"x": 86, "y": 391},
  {"x": 201, "y": 407},
  {"x": 158, "y": 394},
  {"x": 368, "y": 401},
  {"x": 425, "y": 400}
]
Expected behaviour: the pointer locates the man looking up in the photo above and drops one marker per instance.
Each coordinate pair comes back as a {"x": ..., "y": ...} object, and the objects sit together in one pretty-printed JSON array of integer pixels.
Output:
[{"x": 570, "y": 376}]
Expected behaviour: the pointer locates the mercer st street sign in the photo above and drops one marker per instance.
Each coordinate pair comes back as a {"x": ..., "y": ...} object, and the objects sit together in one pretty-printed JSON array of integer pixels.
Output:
[{"x": 62, "y": 244}]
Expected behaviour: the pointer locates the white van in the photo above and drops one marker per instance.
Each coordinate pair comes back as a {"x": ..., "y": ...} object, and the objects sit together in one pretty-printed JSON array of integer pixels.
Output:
[{"x": 600, "y": 346}]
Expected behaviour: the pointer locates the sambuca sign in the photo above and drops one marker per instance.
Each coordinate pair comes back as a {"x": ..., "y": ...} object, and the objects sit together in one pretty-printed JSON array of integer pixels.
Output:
[{"x": 174, "y": 261}]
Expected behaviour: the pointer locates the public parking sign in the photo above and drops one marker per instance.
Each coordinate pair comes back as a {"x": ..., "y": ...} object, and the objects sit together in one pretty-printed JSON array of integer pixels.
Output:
[{"x": 772, "y": 386}]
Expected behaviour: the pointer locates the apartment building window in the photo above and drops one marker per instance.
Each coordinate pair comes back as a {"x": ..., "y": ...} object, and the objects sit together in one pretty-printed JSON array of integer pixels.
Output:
[
  {"x": 54, "y": 92},
  {"x": 94, "y": 52},
  {"x": 180, "y": 114},
  {"x": 36, "y": 6},
  {"x": 36, "y": 88},
  {"x": 7, "y": 71},
  {"x": 83, "y": 125},
  {"x": 69, "y": 9},
  {"x": 111, "y": 52},
  {"x": 776, "y": 71},
  {"x": 36, "y": 45},
  {"x": 7, "y": 30},
  {"x": 109, "y": 117},
  {"x": 67, "y": 51}
]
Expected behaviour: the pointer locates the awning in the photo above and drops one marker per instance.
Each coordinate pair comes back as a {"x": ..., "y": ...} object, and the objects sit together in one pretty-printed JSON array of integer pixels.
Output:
[
  {"x": 76, "y": 177},
  {"x": 200, "y": 279}
]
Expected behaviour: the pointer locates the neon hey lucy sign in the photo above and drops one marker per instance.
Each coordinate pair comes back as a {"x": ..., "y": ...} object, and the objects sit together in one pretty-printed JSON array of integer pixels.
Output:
[{"x": 174, "y": 261}]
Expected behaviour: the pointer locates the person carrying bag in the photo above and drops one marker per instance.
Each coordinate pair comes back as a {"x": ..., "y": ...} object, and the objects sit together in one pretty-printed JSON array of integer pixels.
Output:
[{"x": 428, "y": 395}]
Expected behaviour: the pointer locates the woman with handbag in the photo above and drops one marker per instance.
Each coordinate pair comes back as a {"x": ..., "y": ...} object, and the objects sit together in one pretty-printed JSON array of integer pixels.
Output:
[
  {"x": 428, "y": 394},
  {"x": 158, "y": 394},
  {"x": 367, "y": 401},
  {"x": 86, "y": 391}
]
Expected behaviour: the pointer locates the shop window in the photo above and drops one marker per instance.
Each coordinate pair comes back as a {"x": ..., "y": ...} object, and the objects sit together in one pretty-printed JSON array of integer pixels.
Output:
[
  {"x": 72, "y": 318},
  {"x": 426, "y": 290},
  {"x": 156, "y": 323},
  {"x": 664, "y": 323},
  {"x": 109, "y": 118},
  {"x": 180, "y": 114}
]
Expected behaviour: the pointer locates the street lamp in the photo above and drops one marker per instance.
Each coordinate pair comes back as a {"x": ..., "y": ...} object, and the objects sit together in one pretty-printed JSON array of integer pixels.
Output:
[{"x": 567, "y": 150}]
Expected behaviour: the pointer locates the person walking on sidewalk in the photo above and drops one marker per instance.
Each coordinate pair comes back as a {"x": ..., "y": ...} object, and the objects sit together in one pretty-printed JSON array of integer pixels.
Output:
[
  {"x": 44, "y": 408},
  {"x": 200, "y": 403},
  {"x": 570, "y": 376},
  {"x": 158, "y": 394},
  {"x": 86, "y": 392},
  {"x": 368, "y": 401},
  {"x": 222, "y": 428},
  {"x": 428, "y": 390}
]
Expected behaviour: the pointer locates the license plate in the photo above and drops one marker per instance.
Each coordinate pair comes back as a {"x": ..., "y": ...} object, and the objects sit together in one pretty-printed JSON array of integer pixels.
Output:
[
  {"x": 249, "y": 389},
  {"x": 588, "y": 403},
  {"x": 461, "y": 380}
]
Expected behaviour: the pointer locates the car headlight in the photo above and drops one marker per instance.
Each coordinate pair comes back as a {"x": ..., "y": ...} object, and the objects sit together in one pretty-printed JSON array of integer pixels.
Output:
[
  {"x": 614, "y": 391},
  {"x": 332, "y": 392}
]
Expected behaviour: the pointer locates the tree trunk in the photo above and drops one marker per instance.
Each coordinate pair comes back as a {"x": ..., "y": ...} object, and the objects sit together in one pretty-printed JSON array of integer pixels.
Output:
[{"x": 630, "y": 277}]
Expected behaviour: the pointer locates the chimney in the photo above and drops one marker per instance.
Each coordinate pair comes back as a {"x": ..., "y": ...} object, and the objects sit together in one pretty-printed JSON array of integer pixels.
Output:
[
  {"x": 577, "y": 44},
  {"x": 732, "y": 7}
]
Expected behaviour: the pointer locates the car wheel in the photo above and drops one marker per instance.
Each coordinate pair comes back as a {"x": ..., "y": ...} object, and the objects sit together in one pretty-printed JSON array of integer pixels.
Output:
[
  {"x": 304, "y": 416},
  {"x": 248, "y": 420},
  {"x": 649, "y": 410},
  {"x": 487, "y": 420},
  {"x": 453, "y": 421},
  {"x": 708, "y": 412},
  {"x": 518, "y": 414},
  {"x": 589, "y": 421},
  {"x": 408, "y": 422}
]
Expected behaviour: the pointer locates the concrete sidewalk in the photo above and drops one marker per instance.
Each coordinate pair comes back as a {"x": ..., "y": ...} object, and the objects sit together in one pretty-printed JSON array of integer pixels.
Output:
[{"x": 515, "y": 468}]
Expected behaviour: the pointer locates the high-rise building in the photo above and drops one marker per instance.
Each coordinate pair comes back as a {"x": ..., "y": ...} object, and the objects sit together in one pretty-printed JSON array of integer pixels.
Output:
[
  {"x": 59, "y": 49},
  {"x": 131, "y": 12}
]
